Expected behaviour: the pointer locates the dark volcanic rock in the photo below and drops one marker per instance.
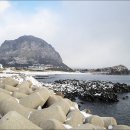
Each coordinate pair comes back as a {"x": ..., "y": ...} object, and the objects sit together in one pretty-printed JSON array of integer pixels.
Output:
[
  {"x": 29, "y": 50},
  {"x": 90, "y": 90}
]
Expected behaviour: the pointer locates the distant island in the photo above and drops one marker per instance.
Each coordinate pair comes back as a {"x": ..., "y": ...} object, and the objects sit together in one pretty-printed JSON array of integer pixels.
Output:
[{"x": 115, "y": 70}]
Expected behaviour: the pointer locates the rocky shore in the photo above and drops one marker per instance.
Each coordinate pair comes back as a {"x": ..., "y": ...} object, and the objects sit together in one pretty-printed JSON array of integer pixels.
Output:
[
  {"x": 27, "y": 104},
  {"x": 89, "y": 90}
]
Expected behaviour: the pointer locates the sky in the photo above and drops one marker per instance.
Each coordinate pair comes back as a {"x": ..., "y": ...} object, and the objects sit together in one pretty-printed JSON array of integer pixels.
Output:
[{"x": 87, "y": 34}]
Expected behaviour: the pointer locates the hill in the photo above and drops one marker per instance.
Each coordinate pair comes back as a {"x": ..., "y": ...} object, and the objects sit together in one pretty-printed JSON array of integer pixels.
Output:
[
  {"x": 30, "y": 50},
  {"x": 115, "y": 70}
]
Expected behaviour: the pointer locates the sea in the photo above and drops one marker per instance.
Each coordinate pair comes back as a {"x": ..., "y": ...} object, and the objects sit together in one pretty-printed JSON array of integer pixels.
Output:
[{"x": 120, "y": 110}]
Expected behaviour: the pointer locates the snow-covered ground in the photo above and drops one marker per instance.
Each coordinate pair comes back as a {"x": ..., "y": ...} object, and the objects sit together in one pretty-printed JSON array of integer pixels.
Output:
[
  {"x": 8, "y": 72},
  {"x": 48, "y": 72}
]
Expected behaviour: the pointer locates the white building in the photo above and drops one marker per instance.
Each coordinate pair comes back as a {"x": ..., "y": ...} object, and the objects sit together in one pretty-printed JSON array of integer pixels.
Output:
[{"x": 1, "y": 66}]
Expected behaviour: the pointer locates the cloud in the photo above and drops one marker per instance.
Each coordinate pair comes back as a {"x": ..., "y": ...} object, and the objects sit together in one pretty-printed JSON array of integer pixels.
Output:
[
  {"x": 86, "y": 34},
  {"x": 4, "y": 5},
  {"x": 95, "y": 34},
  {"x": 43, "y": 23}
]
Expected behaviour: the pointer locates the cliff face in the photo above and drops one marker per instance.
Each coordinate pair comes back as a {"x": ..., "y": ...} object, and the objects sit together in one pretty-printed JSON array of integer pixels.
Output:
[{"x": 29, "y": 50}]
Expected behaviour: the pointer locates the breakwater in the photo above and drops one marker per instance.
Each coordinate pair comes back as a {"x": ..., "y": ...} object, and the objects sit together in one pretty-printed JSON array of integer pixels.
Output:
[{"x": 30, "y": 105}]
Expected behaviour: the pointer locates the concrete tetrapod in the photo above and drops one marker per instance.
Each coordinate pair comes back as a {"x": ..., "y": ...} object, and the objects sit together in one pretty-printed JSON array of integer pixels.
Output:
[
  {"x": 5, "y": 91},
  {"x": 74, "y": 118},
  {"x": 13, "y": 120},
  {"x": 26, "y": 84},
  {"x": 25, "y": 90},
  {"x": 4, "y": 96},
  {"x": 88, "y": 126},
  {"x": 52, "y": 124},
  {"x": 10, "y": 88},
  {"x": 53, "y": 99},
  {"x": 36, "y": 99},
  {"x": 120, "y": 127},
  {"x": 64, "y": 105},
  {"x": 95, "y": 120},
  {"x": 19, "y": 95},
  {"x": 2, "y": 85},
  {"x": 11, "y": 104},
  {"x": 10, "y": 81},
  {"x": 109, "y": 121},
  {"x": 25, "y": 87},
  {"x": 53, "y": 112}
]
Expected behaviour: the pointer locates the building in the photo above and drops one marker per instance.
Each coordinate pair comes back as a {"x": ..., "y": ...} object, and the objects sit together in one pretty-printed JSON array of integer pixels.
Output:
[{"x": 1, "y": 66}]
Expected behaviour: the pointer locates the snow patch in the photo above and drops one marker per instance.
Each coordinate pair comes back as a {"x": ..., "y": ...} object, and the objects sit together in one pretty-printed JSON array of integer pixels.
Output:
[
  {"x": 86, "y": 115},
  {"x": 72, "y": 108},
  {"x": 68, "y": 119},
  {"x": 67, "y": 126},
  {"x": 76, "y": 106},
  {"x": 34, "y": 81},
  {"x": 97, "y": 94},
  {"x": 29, "y": 114},
  {"x": 17, "y": 100},
  {"x": 39, "y": 108},
  {"x": 10, "y": 93},
  {"x": 110, "y": 127}
]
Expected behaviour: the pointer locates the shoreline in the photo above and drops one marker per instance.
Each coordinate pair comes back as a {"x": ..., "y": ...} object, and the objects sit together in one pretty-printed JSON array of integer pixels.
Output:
[
  {"x": 8, "y": 71},
  {"x": 69, "y": 119}
]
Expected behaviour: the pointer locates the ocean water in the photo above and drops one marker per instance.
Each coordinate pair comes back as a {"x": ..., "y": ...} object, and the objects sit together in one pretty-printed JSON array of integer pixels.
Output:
[{"x": 120, "y": 110}]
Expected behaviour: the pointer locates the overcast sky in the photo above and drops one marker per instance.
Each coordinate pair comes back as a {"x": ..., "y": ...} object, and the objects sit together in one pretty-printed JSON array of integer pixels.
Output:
[{"x": 88, "y": 34}]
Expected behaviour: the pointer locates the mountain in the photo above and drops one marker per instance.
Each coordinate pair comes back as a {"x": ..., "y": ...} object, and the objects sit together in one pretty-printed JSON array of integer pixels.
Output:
[
  {"x": 115, "y": 70},
  {"x": 29, "y": 50}
]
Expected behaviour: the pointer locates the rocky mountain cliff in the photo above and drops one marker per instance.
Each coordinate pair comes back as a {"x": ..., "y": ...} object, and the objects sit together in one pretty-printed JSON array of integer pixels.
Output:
[{"x": 29, "y": 50}]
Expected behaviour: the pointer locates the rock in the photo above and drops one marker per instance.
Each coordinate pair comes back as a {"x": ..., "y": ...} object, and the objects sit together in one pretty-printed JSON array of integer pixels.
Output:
[
  {"x": 36, "y": 99},
  {"x": 93, "y": 91},
  {"x": 10, "y": 81},
  {"x": 28, "y": 51},
  {"x": 53, "y": 112},
  {"x": 120, "y": 127},
  {"x": 52, "y": 124},
  {"x": 13, "y": 120},
  {"x": 53, "y": 99},
  {"x": 88, "y": 126},
  {"x": 10, "y": 88},
  {"x": 95, "y": 120},
  {"x": 5, "y": 91},
  {"x": 121, "y": 88},
  {"x": 126, "y": 97},
  {"x": 19, "y": 95},
  {"x": 109, "y": 121},
  {"x": 11, "y": 104},
  {"x": 74, "y": 118}
]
